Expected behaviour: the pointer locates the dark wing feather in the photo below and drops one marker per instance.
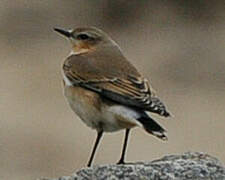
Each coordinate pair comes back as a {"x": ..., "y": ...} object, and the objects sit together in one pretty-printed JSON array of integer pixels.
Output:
[{"x": 127, "y": 88}]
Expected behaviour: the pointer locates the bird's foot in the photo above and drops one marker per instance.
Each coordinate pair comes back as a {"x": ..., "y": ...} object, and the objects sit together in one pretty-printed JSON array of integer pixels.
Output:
[{"x": 121, "y": 161}]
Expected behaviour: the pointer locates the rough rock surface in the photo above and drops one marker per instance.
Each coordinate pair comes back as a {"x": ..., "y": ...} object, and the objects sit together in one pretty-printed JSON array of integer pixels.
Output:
[{"x": 173, "y": 167}]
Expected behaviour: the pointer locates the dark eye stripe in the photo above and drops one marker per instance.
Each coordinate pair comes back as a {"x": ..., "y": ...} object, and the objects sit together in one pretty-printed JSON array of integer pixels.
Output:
[{"x": 82, "y": 36}]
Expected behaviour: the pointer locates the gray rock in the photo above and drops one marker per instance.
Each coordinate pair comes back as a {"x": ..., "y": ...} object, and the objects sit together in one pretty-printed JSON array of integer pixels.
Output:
[{"x": 173, "y": 167}]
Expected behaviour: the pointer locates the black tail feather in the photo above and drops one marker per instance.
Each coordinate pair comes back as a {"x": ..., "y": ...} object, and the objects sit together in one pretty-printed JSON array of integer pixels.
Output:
[{"x": 152, "y": 126}]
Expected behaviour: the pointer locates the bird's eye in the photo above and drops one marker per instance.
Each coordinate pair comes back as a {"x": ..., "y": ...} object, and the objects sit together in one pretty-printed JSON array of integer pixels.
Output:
[{"x": 83, "y": 36}]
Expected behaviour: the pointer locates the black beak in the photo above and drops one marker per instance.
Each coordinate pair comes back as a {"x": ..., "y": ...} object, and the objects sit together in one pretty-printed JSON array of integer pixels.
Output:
[{"x": 63, "y": 32}]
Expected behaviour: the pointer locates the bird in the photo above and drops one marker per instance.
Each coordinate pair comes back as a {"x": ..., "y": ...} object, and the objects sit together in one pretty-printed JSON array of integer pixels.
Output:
[{"x": 105, "y": 90}]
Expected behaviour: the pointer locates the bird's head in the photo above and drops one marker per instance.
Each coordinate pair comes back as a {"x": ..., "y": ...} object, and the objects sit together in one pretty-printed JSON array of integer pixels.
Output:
[{"x": 86, "y": 39}]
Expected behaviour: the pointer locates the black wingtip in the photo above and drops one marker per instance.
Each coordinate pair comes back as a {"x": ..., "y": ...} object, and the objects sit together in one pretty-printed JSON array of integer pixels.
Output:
[
  {"x": 166, "y": 114},
  {"x": 156, "y": 106}
]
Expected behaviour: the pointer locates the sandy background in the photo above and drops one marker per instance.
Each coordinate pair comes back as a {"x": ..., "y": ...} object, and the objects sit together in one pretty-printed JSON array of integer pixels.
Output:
[{"x": 178, "y": 45}]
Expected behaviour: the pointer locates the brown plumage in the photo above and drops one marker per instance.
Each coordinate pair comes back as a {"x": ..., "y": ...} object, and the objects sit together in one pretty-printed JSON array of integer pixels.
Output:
[
  {"x": 105, "y": 90},
  {"x": 118, "y": 81}
]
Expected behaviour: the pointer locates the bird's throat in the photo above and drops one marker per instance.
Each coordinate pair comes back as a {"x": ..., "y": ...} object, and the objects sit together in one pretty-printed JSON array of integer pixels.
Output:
[{"x": 81, "y": 49}]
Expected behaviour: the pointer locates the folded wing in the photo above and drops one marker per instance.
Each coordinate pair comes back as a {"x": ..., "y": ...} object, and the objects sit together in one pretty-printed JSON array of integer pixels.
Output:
[{"x": 127, "y": 88}]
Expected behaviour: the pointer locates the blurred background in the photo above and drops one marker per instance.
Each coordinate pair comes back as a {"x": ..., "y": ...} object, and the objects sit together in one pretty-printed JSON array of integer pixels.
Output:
[{"x": 179, "y": 45}]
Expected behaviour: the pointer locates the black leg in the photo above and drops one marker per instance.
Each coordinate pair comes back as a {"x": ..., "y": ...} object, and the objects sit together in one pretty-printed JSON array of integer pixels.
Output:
[
  {"x": 121, "y": 161},
  {"x": 95, "y": 147}
]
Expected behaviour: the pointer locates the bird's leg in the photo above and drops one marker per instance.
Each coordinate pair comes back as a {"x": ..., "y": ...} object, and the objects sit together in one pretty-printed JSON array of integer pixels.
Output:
[
  {"x": 121, "y": 161},
  {"x": 99, "y": 135}
]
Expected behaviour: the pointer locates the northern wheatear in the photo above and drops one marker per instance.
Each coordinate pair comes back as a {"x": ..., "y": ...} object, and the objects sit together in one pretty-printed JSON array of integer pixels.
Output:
[{"x": 105, "y": 90}]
